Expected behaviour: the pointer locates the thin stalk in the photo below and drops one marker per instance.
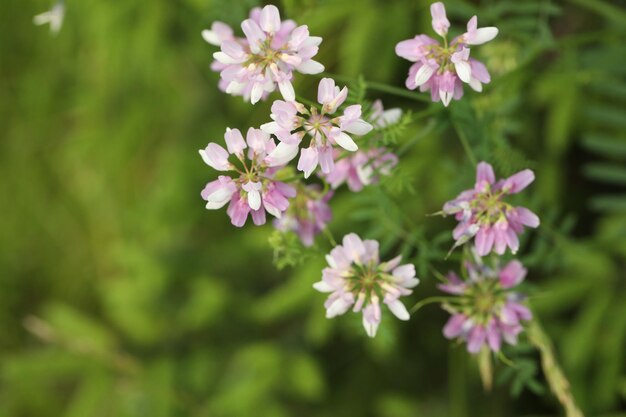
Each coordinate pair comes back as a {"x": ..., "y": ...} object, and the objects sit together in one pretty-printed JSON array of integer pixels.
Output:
[
  {"x": 465, "y": 143},
  {"x": 429, "y": 300},
  {"x": 559, "y": 385}
]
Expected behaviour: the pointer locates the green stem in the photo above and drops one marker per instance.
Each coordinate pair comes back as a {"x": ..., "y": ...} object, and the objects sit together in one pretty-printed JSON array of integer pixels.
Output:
[
  {"x": 559, "y": 385},
  {"x": 385, "y": 88},
  {"x": 429, "y": 300},
  {"x": 330, "y": 237},
  {"x": 465, "y": 143}
]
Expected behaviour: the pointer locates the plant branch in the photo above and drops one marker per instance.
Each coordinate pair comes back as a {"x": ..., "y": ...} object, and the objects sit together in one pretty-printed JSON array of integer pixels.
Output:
[{"x": 559, "y": 385}]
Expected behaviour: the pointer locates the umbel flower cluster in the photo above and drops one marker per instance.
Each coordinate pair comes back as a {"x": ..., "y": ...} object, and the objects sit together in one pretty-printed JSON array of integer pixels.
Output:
[
  {"x": 265, "y": 58},
  {"x": 357, "y": 280},
  {"x": 485, "y": 311},
  {"x": 442, "y": 69},
  {"x": 293, "y": 165}
]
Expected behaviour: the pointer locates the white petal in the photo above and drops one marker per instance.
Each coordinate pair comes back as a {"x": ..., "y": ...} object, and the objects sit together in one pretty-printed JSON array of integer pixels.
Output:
[
  {"x": 286, "y": 89},
  {"x": 446, "y": 97},
  {"x": 257, "y": 93},
  {"x": 359, "y": 127},
  {"x": 483, "y": 35},
  {"x": 464, "y": 71},
  {"x": 282, "y": 154},
  {"x": 214, "y": 205},
  {"x": 399, "y": 310},
  {"x": 337, "y": 308},
  {"x": 234, "y": 88},
  {"x": 42, "y": 18},
  {"x": 475, "y": 84},
  {"x": 312, "y": 41},
  {"x": 423, "y": 74},
  {"x": 322, "y": 286},
  {"x": 224, "y": 58},
  {"x": 370, "y": 328},
  {"x": 346, "y": 142},
  {"x": 411, "y": 283},
  {"x": 390, "y": 117},
  {"x": 310, "y": 67},
  {"x": 211, "y": 37},
  {"x": 270, "y": 18},
  {"x": 271, "y": 128},
  {"x": 218, "y": 165},
  {"x": 272, "y": 210},
  {"x": 364, "y": 172},
  {"x": 254, "y": 199}
]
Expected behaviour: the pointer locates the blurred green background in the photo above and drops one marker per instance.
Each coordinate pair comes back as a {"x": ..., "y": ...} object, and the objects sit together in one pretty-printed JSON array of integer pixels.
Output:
[{"x": 120, "y": 295}]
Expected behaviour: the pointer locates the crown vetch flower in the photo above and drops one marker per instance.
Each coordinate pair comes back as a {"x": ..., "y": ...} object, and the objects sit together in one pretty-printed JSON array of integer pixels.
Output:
[
  {"x": 442, "y": 70},
  {"x": 363, "y": 168},
  {"x": 355, "y": 278},
  {"x": 484, "y": 216},
  {"x": 266, "y": 58},
  {"x": 292, "y": 122},
  {"x": 487, "y": 310},
  {"x": 253, "y": 189},
  {"x": 308, "y": 213}
]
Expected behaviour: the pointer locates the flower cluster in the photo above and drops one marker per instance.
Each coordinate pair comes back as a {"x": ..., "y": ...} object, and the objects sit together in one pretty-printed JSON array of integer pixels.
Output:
[
  {"x": 486, "y": 310},
  {"x": 482, "y": 213},
  {"x": 271, "y": 51},
  {"x": 292, "y": 121},
  {"x": 308, "y": 214},
  {"x": 442, "y": 70},
  {"x": 254, "y": 190},
  {"x": 355, "y": 278},
  {"x": 362, "y": 168}
]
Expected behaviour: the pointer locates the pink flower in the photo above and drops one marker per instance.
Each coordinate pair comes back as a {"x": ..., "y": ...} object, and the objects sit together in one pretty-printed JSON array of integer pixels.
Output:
[
  {"x": 486, "y": 311},
  {"x": 381, "y": 118},
  {"x": 355, "y": 278},
  {"x": 265, "y": 58},
  {"x": 308, "y": 214},
  {"x": 361, "y": 168},
  {"x": 442, "y": 70},
  {"x": 292, "y": 122},
  {"x": 253, "y": 189},
  {"x": 484, "y": 216}
]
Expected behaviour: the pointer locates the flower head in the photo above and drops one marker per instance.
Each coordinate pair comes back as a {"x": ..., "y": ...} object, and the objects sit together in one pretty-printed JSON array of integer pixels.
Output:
[
  {"x": 442, "y": 70},
  {"x": 308, "y": 213},
  {"x": 355, "y": 278},
  {"x": 266, "y": 57},
  {"x": 292, "y": 122},
  {"x": 253, "y": 189},
  {"x": 486, "y": 311},
  {"x": 362, "y": 168},
  {"x": 485, "y": 216}
]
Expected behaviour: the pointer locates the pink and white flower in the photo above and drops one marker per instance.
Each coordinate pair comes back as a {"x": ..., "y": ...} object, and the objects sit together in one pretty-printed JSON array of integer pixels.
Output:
[
  {"x": 442, "y": 70},
  {"x": 357, "y": 280},
  {"x": 292, "y": 122},
  {"x": 381, "y": 118},
  {"x": 252, "y": 190},
  {"x": 362, "y": 168},
  {"x": 265, "y": 58},
  {"x": 484, "y": 216},
  {"x": 486, "y": 311},
  {"x": 308, "y": 214}
]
